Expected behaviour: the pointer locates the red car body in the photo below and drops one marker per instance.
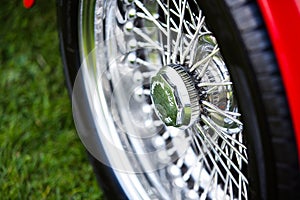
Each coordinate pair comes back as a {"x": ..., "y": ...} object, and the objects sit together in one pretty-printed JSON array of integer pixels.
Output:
[{"x": 283, "y": 23}]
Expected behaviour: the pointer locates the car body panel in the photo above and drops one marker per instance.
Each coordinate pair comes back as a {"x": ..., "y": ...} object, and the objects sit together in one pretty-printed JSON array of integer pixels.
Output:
[{"x": 282, "y": 19}]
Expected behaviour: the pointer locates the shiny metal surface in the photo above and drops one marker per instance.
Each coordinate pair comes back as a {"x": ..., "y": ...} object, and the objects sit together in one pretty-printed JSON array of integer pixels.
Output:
[
  {"x": 174, "y": 96},
  {"x": 133, "y": 41}
]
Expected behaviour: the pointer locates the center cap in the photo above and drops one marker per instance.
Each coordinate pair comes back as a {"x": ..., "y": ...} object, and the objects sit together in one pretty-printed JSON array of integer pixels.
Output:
[{"x": 175, "y": 97}]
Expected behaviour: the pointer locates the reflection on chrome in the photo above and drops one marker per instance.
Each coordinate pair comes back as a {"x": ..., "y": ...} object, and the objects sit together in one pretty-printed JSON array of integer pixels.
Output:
[{"x": 162, "y": 103}]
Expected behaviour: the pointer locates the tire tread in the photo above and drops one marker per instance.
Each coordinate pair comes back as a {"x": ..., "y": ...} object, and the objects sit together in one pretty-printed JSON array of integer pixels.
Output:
[{"x": 249, "y": 22}]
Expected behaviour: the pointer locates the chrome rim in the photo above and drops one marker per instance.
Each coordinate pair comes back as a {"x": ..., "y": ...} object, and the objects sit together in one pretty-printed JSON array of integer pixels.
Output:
[{"x": 146, "y": 53}]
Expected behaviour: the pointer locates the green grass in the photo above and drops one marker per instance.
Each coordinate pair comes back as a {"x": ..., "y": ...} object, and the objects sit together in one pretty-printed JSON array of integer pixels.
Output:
[{"x": 41, "y": 156}]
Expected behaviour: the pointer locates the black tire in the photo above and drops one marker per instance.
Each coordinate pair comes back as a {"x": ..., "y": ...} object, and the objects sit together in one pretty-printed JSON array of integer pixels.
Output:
[
  {"x": 246, "y": 48},
  {"x": 255, "y": 69}
]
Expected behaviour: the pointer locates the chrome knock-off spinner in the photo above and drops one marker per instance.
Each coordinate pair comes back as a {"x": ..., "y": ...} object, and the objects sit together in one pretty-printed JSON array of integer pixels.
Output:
[{"x": 175, "y": 96}]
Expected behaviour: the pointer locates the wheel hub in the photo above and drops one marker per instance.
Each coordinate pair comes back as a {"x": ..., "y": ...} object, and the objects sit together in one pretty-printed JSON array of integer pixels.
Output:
[{"x": 175, "y": 96}]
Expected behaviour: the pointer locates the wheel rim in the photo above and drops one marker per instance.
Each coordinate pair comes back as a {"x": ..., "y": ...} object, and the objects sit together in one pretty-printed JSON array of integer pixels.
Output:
[{"x": 134, "y": 43}]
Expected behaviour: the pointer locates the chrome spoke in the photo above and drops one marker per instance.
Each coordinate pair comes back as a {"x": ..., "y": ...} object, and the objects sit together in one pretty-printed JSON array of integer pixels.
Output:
[
  {"x": 215, "y": 129},
  {"x": 206, "y": 190},
  {"x": 204, "y": 69},
  {"x": 218, "y": 110},
  {"x": 194, "y": 38},
  {"x": 214, "y": 87},
  {"x": 214, "y": 84},
  {"x": 213, "y": 145},
  {"x": 211, "y": 158},
  {"x": 179, "y": 32},
  {"x": 240, "y": 144},
  {"x": 175, "y": 3},
  {"x": 161, "y": 5},
  {"x": 168, "y": 48},
  {"x": 201, "y": 156},
  {"x": 189, "y": 9},
  {"x": 146, "y": 11},
  {"x": 148, "y": 39},
  {"x": 169, "y": 33},
  {"x": 199, "y": 63},
  {"x": 228, "y": 158}
]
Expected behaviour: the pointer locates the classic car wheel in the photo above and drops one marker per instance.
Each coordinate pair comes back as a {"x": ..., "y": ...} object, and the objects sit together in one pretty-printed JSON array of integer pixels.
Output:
[{"x": 178, "y": 99}]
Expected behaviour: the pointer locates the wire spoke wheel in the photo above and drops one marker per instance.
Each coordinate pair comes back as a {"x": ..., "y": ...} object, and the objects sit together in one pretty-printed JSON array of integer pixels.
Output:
[
  {"x": 164, "y": 80},
  {"x": 180, "y": 99}
]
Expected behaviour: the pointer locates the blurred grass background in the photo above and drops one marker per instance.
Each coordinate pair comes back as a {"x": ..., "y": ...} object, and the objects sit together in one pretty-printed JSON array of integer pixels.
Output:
[{"x": 41, "y": 156}]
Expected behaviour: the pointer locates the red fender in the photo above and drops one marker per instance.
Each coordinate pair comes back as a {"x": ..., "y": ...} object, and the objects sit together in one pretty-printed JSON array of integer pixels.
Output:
[{"x": 282, "y": 19}]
